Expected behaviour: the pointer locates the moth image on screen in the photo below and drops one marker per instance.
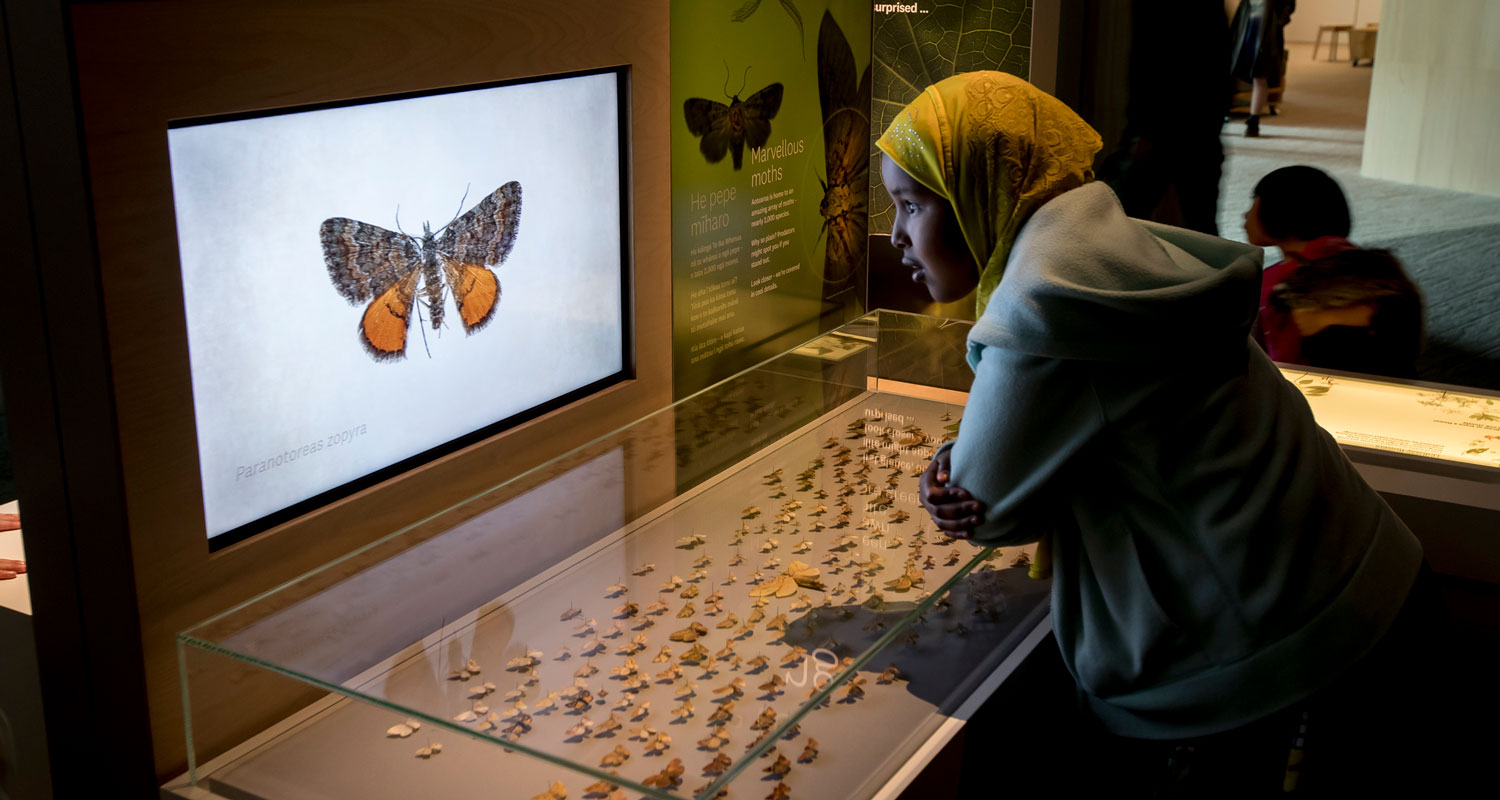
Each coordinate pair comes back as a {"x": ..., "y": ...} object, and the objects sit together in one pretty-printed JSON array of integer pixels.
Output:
[
  {"x": 342, "y": 274},
  {"x": 369, "y": 264},
  {"x": 727, "y": 129}
]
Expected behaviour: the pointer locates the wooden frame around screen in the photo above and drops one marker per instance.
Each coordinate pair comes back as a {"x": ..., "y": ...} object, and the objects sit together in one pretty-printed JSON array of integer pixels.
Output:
[{"x": 140, "y": 65}]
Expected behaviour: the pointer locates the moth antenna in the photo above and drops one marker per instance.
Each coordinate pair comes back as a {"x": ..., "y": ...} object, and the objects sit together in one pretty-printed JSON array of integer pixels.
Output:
[
  {"x": 726, "y": 78},
  {"x": 460, "y": 210},
  {"x": 744, "y": 80},
  {"x": 398, "y": 220}
]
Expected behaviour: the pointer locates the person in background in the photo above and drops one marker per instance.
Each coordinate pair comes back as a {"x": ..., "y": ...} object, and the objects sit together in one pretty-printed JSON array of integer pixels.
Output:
[
  {"x": 1222, "y": 575},
  {"x": 1328, "y": 303},
  {"x": 1258, "y": 51},
  {"x": 1167, "y": 164},
  {"x": 1354, "y": 310}
]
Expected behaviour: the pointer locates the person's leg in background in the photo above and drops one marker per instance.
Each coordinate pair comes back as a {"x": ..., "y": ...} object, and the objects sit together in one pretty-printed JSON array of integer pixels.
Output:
[{"x": 1260, "y": 103}]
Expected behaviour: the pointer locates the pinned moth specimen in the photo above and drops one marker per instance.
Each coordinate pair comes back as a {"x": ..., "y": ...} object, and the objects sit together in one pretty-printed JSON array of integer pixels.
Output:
[
  {"x": 803, "y": 546},
  {"x": 725, "y": 652},
  {"x": 586, "y": 671},
  {"x": 477, "y": 692},
  {"x": 801, "y": 603},
  {"x": 684, "y": 711},
  {"x": 714, "y": 741},
  {"x": 644, "y": 569},
  {"x": 586, "y": 628},
  {"x": 656, "y": 608},
  {"x": 702, "y": 562},
  {"x": 772, "y": 478},
  {"x": 636, "y": 645},
  {"x": 697, "y": 575},
  {"x": 690, "y": 592},
  {"x": 615, "y": 590},
  {"x": 872, "y": 564},
  {"x": 686, "y": 689},
  {"x": 757, "y": 663},
  {"x": 690, "y": 542},
  {"x": 716, "y": 597},
  {"x": 581, "y": 730},
  {"x": 627, "y": 610},
  {"x": 600, "y": 789},
  {"x": 912, "y": 577},
  {"x": 694, "y": 654},
  {"x": 737, "y": 560},
  {"x": 793, "y": 656},
  {"x": 766, "y": 719},
  {"x": 562, "y": 654},
  {"x": 641, "y": 711},
  {"x": 770, "y": 544},
  {"x": 672, "y": 585},
  {"x": 809, "y": 752},
  {"x": 756, "y": 615},
  {"x": 570, "y": 613},
  {"x": 615, "y": 757},
  {"x": 890, "y": 675},
  {"x": 610, "y": 724},
  {"x": 403, "y": 729},
  {"x": 723, "y": 714},
  {"x": 664, "y": 655},
  {"x": 899, "y": 516},
  {"x": 773, "y": 686},
  {"x": 541, "y": 705},
  {"x": 854, "y": 689},
  {"x": 750, "y": 513},
  {"x": 953, "y": 559},
  {"x": 756, "y": 577},
  {"x": 894, "y": 543},
  {"x": 786, "y": 584},
  {"x": 771, "y": 563},
  {"x": 777, "y": 623},
  {"x": 659, "y": 743},
  {"x": 742, "y": 632},
  {"x": 1023, "y": 559},
  {"x": 690, "y": 634},
  {"x": 582, "y": 702},
  {"x": 669, "y": 777},
  {"x": 555, "y": 792},
  {"x": 430, "y": 750},
  {"x": 518, "y": 726},
  {"x": 595, "y": 648},
  {"x": 625, "y": 670},
  {"x": 780, "y": 767},
  {"x": 466, "y": 716},
  {"x": 623, "y": 704}
]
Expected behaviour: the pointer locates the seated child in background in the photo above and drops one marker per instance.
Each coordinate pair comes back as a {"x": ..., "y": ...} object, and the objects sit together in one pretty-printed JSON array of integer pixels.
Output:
[
  {"x": 1355, "y": 310},
  {"x": 1301, "y": 210}
]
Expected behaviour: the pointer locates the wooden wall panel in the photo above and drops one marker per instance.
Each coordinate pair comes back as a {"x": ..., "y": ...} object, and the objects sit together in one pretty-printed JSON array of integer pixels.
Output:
[
  {"x": 1433, "y": 105},
  {"x": 140, "y": 65}
]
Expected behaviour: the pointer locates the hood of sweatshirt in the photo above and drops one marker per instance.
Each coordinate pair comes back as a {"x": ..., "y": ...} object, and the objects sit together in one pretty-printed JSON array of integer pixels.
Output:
[{"x": 1084, "y": 281}]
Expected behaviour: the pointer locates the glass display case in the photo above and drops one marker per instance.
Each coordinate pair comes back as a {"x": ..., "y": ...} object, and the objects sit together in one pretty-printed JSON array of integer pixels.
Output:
[{"x": 738, "y": 595}]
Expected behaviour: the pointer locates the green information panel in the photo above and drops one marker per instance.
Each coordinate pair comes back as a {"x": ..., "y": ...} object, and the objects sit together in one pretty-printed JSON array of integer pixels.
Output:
[{"x": 770, "y": 178}]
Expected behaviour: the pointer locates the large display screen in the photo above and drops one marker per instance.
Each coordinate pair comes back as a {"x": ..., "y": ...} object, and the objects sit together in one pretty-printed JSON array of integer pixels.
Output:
[{"x": 370, "y": 285}]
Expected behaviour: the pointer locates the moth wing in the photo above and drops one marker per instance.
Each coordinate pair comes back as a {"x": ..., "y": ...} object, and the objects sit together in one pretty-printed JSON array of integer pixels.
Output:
[
  {"x": 836, "y": 88},
  {"x": 759, "y": 110},
  {"x": 485, "y": 235},
  {"x": 476, "y": 292},
  {"x": 845, "y": 206},
  {"x": 366, "y": 260},
  {"x": 383, "y": 327},
  {"x": 710, "y": 120}
]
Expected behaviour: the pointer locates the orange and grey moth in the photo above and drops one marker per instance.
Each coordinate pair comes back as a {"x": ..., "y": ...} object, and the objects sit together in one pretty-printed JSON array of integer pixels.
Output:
[{"x": 385, "y": 269}]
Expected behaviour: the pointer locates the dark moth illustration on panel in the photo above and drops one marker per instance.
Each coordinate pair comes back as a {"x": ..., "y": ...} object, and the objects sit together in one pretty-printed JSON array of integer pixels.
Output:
[
  {"x": 369, "y": 264},
  {"x": 846, "y": 141},
  {"x": 727, "y": 129}
]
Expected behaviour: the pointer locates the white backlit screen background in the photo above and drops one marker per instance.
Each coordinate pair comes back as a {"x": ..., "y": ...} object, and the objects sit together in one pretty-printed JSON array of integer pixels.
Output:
[{"x": 288, "y": 402}]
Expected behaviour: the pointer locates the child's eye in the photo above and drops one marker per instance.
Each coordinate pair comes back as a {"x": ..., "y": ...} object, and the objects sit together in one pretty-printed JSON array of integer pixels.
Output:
[{"x": 911, "y": 207}]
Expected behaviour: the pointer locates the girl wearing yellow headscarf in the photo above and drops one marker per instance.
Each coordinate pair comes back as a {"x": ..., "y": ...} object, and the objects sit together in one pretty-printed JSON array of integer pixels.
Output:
[{"x": 1216, "y": 558}]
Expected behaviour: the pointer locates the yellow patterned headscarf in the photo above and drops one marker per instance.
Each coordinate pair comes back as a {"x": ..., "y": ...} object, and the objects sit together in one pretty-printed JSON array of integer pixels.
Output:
[{"x": 997, "y": 148}]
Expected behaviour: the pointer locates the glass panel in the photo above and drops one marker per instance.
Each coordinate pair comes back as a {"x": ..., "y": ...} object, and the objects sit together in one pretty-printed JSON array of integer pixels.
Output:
[{"x": 682, "y": 592}]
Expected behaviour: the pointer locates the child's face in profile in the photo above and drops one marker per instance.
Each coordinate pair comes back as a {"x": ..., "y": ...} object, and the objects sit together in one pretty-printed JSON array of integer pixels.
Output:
[
  {"x": 927, "y": 234},
  {"x": 1253, "y": 230}
]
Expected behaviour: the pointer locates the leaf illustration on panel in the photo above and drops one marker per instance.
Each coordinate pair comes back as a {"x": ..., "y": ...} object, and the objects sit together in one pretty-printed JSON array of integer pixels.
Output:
[
  {"x": 751, "y": 6},
  {"x": 845, "y": 102},
  {"x": 727, "y": 129},
  {"x": 914, "y": 51}
]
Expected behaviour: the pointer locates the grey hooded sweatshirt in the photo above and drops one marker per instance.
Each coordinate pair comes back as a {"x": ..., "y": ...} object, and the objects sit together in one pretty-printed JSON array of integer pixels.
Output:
[{"x": 1216, "y": 557}]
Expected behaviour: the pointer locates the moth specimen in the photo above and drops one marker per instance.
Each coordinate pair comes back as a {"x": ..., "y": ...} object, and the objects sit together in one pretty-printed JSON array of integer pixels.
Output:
[
  {"x": 845, "y": 104},
  {"x": 371, "y": 265}
]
